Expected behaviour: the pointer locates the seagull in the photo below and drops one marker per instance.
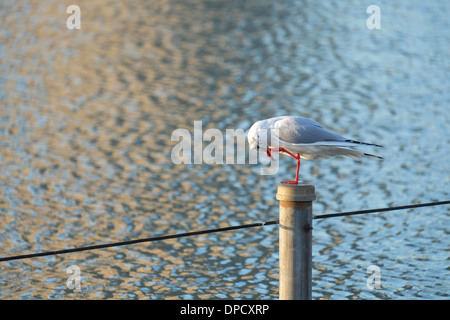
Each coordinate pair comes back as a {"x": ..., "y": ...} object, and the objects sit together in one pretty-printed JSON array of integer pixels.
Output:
[{"x": 301, "y": 137}]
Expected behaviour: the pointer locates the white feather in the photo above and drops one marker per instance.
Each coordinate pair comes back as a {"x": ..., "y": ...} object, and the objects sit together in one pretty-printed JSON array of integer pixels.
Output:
[{"x": 303, "y": 136}]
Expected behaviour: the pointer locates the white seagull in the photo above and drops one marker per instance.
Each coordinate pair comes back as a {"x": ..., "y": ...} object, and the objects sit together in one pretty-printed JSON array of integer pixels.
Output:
[{"x": 301, "y": 137}]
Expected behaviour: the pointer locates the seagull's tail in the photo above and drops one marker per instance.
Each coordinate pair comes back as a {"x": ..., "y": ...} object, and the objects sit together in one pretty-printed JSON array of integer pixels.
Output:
[
  {"x": 372, "y": 155},
  {"x": 364, "y": 143},
  {"x": 351, "y": 153}
]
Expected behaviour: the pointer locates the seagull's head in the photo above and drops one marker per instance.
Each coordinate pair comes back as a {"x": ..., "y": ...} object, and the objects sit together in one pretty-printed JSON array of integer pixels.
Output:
[{"x": 255, "y": 136}]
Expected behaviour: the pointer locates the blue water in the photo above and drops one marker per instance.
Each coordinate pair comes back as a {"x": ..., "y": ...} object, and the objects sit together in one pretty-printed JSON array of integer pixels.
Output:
[{"x": 86, "y": 120}]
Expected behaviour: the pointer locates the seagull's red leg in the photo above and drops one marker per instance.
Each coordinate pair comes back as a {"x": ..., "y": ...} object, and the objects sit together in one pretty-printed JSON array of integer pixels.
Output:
[
  {"x": 298, "y": 169},
  {"x": 289, "y": 153},
  {"x": 269, "y": 150},
  {"x": 296, "y": 156}
]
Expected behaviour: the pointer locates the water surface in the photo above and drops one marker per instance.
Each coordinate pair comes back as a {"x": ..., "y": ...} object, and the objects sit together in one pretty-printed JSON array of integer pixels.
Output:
[{"x": 86, "y": 119}]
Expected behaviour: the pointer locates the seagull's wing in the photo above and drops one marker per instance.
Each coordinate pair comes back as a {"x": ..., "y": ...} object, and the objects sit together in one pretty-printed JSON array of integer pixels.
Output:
[
  {"x": 299, "y": 130},
  {"x": 292, "y": 130}
]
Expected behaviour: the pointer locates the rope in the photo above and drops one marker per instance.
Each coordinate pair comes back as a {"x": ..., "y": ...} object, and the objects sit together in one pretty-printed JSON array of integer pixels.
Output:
[
  {"x": 187, "y": 234},
  {"x": 411, "y": 206},
  {"x": 124, "y": 243}
]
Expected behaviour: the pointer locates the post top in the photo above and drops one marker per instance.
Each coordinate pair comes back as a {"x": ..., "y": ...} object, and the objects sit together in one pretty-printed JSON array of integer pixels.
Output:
[{"x": 296, "y": 192}]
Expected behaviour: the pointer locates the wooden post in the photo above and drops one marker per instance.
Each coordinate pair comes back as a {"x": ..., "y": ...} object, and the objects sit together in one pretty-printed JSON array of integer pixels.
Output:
[{"x": 295, "y": 240}]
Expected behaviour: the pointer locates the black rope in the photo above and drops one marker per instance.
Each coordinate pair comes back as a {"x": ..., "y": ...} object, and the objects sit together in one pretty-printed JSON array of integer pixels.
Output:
[
  {"x": 411, "y": 206},
  {"x": 123, "y": 243},
  {"x": 186, "y": 234}
]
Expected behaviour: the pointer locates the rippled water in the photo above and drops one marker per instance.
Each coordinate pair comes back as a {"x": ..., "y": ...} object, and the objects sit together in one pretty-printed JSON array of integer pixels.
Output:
[{"x": 86, "y": 119}]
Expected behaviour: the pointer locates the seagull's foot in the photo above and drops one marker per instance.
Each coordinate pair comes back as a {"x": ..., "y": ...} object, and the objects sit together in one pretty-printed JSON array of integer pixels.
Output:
[{"x": 292, "y": 182}]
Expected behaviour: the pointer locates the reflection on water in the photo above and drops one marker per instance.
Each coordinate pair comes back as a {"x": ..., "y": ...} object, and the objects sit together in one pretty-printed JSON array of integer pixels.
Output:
[{"x": 86, "y": 118}]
